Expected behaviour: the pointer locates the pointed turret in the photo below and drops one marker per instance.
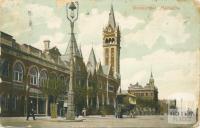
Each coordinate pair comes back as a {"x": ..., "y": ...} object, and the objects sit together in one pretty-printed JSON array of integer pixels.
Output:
[
  {"x": 92, "y": 59},
  {"x": 80, "y": 51},
  {"x": 151, "y": 80},
  {"x": 92, "y": 62},
  {"x": 111, "y": 20},
  {"x": 151, "y": 74},
  {"x": 75, "y": 50}
]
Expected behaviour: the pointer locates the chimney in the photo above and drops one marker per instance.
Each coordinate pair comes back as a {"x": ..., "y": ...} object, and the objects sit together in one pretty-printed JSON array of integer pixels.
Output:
[{"x": 46, "y": 45}]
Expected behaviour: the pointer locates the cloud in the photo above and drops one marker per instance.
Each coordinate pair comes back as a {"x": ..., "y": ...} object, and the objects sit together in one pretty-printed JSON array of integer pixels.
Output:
[
  {"x": 98, "y": 49},
  {"x": 163, "y": 24},
  {"x": 9, "y": 4},
  {"x": 91, "y": 26},
  {"x": 172, "y": 71},
  {"x": 12, "y": 21},
  {"x": 42, "y": 12},
  {"x": 56, "y": 40},
  {"x": 61, "y": 3}
]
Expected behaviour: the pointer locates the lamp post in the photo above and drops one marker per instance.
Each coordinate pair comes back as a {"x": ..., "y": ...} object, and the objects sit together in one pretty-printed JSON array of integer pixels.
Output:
[
  {"x": 27, "y": 98},
  {"x": 72, "y": 16}
]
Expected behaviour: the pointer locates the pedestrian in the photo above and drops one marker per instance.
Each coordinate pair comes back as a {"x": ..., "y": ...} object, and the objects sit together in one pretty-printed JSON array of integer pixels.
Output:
[
  {"x": 84, "y": 112},
  {"x": 30, "y": 111}
]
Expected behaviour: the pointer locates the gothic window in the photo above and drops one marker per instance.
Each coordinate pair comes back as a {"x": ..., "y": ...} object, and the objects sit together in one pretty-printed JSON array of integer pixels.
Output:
[
  {"x": 33, "y": 76},
  {"x": 110, "y": 88},
  {"x": 43, "y": 78},
  {"x": 113, "y": 40},
  {"x": 106, "y": 56},
  {"x": 62, "y": 79},
  {"x": 107, "y": 41},
  {"x": 112, "y": 58},
  {"x": 18, "y": 72},
  {"x": 110, "y": 40},
  {"x": 100, "y": 86}
]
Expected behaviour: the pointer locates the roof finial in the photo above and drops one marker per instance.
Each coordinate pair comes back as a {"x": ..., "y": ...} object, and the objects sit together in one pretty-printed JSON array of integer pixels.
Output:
[{"x": 151, "y": 72}]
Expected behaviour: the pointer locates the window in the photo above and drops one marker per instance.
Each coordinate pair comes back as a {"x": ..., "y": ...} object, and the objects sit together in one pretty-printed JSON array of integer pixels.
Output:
[
  {"x": 112, "y": 59},
  {"x": 14, "y": 101},
  {"x": 62, "y": 79},
  {"x": 5, "y": 69},
  {"x": 106, "y": 56},
  {"x": 18, "y": 72},
  {"x": 100, "y": 86},
  {"x": 43, "y": 78},
  {"x": 33, "y": 76},
  {"x": 110, "y": 88}
]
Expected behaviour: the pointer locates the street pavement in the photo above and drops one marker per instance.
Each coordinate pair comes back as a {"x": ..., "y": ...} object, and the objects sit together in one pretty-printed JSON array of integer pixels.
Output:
[{"x": 90, "y": 122}]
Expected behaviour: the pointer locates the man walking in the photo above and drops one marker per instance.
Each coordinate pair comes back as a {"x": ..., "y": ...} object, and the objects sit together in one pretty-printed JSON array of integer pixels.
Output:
[{"x": 30, "y": 110}]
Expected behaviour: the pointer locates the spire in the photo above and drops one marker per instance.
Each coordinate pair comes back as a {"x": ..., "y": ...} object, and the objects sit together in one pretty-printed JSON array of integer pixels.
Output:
[
  {"x": 75, "y": 51},
  {"x": 92, "y": 59},
  {"x": 111, "y": 20},
  {"x": 91, "y": 65},
  {"x": 80, "y": 51},
  {"x": 151, "y": 80},
  {"x": 151, "y": 72}
]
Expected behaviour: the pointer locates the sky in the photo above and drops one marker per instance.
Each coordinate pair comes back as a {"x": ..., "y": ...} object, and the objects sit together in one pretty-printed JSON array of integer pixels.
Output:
[{"x": 162, "y": 35}]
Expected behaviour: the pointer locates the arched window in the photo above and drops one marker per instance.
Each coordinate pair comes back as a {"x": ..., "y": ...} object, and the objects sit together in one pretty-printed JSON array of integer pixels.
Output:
[
  {"x": 18, "y": 72},
  {"x": 107, "y": 41},
  {"x": 113, "y": 40},
  {"x": 43, "y": 77},
  {"x": 33, "y": 76}
]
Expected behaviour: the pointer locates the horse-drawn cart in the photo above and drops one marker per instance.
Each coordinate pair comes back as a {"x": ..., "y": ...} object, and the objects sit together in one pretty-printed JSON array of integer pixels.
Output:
[{"x": 125, "y": 103}]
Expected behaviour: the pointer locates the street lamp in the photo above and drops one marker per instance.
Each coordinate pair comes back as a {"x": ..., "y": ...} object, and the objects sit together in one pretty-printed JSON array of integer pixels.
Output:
[
  {"x": 27, "y": 98},
  {"x": 72, "y": 16}
]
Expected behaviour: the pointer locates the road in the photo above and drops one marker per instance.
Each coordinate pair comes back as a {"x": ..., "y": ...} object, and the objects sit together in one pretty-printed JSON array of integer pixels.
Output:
[{"x": 90, "y": 122}]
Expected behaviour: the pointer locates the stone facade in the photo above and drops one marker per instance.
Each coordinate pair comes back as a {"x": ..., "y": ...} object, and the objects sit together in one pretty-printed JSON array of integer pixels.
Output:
[
  {"x": 147, "y": 97},
  {"x": 24, "y": 68}
]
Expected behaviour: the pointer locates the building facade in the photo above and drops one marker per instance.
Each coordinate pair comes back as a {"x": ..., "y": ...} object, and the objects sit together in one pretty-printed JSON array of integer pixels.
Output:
[
  {"x": 147, "y": 97},
  {"x": 24, "y": 70}
]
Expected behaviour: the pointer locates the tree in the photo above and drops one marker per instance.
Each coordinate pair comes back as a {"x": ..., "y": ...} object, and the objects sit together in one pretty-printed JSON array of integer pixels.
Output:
[{"x": 54, "y": 87}]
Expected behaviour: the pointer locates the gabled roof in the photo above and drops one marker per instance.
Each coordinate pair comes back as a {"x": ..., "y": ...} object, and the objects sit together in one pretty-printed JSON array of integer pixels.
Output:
[
  {"x": 55, "y": 50},
  {"x": 136, "y": 86},
  {"x": 92, "y": 58},
  {"x": 72, "y": 44},
  {"x": 99, "y": 68},
  {"x": 111, "y": 20},
  {"x": 92, "y": 62}
]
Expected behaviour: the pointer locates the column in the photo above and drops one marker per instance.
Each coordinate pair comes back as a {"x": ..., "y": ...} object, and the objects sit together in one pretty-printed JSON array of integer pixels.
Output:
[
  {"x": 37, "y": 104},
  {"x": 46, "y": 110},
  {"x": 0, "y": 104},
  {"x": 102, "y": 99},
  {"x": 87, "y": 94},
  {"x": 107, "y": 94},
  {"x": 97, "y": 101},
  {"x": 114, "y": 102}
]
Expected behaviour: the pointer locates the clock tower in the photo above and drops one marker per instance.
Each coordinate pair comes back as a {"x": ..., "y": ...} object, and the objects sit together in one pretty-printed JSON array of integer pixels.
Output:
[{"x": 111, "y": 44}]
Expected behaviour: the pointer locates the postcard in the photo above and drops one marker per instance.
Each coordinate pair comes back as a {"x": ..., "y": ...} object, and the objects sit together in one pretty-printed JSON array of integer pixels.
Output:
[{"x": 99, "y": 63}]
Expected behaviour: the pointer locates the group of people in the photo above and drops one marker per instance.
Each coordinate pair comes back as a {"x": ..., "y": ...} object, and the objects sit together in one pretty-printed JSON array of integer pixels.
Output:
[{"x": 31, "y": 111}]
